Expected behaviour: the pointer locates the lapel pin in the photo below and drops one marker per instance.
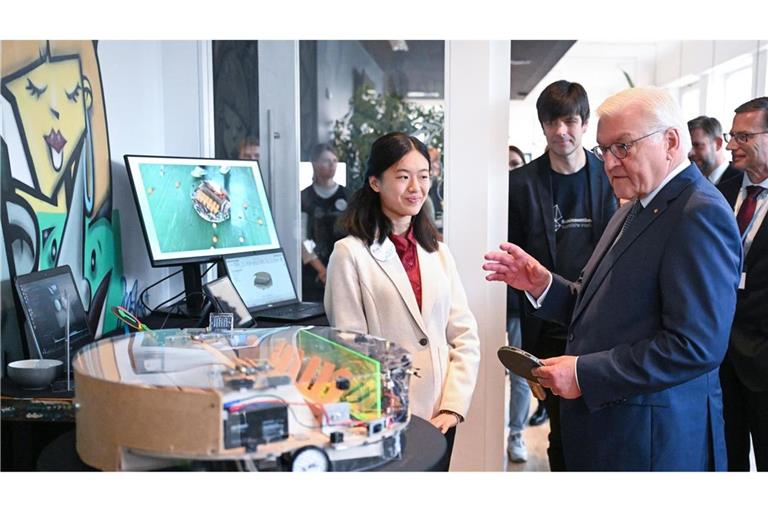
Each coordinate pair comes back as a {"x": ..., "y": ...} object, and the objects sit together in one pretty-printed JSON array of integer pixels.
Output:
[{"x": 655, "y": 210}]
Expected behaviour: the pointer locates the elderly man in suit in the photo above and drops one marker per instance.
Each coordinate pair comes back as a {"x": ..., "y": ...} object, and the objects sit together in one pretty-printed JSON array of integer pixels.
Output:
[
  {"x": 708, "y": 150},
  {"x": 744, "y": 373},
  {"x": 649, "y": 317}
]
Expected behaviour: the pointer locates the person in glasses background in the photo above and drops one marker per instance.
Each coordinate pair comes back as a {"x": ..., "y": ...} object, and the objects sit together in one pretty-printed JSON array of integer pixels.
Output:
[
  {"x": 559, "y": 205},
  {"x": 708, "y": 150},
  {"x": 744, "y": 372},
  {"x": 649, "y": 317}
]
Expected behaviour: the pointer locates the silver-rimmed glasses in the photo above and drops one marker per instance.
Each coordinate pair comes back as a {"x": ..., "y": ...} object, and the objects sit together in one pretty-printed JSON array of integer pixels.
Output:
[{"x": 620, "y": 149}]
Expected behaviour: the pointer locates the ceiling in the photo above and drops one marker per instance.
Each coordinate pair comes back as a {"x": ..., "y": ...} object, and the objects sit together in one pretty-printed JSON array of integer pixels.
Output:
[
  {"x": 419, "y": 71},
  {"x": 530, "y": 61}
]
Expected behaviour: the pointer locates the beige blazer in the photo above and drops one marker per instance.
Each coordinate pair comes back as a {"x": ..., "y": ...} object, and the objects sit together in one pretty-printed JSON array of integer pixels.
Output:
[{"x": 368, "y": 290}]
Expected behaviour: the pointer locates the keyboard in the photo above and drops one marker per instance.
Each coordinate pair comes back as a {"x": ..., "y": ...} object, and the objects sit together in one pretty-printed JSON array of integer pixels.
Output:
[{"x": 297, "y": 311}]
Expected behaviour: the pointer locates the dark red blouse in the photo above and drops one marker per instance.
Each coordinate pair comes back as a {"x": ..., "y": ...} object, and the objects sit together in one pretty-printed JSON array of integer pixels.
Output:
[{"x": 406, "y": 250}]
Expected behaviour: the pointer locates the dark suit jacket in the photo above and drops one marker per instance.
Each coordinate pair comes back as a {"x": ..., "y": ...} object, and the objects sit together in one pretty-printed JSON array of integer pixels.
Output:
[
  {"x": 730, "y": 172},
  {"x": 748, "y": 350},
  {"x": 532, "y": 227},
  {"x": 650, "y": 320}
]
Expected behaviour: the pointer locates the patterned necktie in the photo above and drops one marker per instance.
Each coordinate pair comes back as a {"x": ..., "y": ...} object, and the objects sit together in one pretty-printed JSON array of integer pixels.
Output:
[
  {"x": 630, "y": 217},
  {"x": 747, "y": 208}
]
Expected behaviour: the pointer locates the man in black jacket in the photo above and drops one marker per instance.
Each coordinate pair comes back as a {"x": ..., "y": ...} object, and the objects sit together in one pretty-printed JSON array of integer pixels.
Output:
[
  {"x": 744, "y": 372},
  {"x": 559, "y": 205}
]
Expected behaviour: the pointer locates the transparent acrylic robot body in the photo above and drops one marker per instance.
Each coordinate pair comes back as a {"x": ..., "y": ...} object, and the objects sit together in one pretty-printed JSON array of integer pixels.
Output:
[{"x": 302, "y": 398}]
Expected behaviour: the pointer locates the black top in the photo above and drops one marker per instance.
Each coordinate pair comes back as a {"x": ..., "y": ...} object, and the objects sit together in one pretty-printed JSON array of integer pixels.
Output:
[
  {"x": 573, "y": 222},
  {"x": 323, "y": 216}
]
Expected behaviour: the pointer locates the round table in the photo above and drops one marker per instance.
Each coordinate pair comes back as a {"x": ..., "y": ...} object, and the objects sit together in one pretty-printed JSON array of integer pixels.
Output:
[{"x": 423, "y": 448}]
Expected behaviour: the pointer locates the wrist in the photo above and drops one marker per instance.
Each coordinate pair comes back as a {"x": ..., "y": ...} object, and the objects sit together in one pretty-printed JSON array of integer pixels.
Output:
[{"x": 459, "y": 417}]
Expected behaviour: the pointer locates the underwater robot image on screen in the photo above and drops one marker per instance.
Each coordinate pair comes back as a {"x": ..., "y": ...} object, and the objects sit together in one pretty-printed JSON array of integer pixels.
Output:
[{"x": 200, "y": 209}]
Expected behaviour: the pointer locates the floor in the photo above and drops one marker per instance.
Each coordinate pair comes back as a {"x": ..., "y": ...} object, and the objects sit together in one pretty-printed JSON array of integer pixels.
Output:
[{"x": 536, "y": 442}]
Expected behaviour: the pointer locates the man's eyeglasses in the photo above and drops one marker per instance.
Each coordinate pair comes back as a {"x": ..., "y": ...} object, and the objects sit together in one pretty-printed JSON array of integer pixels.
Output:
[
  {"x": 620, "y": 149},
  {"x": 741, "y": 137}
]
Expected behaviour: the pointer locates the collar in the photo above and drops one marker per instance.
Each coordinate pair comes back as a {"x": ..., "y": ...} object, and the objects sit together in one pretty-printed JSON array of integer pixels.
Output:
[
  {"x": 745, "y": 182},
  {"x": 403, "y": 242},
  {"x": 717, "y": 173},
  {"x": 646, "y": 200}
]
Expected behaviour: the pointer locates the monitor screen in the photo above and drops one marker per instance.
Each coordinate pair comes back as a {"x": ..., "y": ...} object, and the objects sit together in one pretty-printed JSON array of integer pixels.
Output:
[
  {"x": 262, "y": 280},
  {"x": 228, "y": 301},
  {"x": 200, "y": 209},
  {"x": 45, "y": 297},
  {"x": 305, "y": 174}
]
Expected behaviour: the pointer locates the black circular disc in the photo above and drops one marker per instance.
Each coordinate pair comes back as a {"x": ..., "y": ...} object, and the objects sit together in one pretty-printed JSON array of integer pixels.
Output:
[{"x": 519, "y": 361}]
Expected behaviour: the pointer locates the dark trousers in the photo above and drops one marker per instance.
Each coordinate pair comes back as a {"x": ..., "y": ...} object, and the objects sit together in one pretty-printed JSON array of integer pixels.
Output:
[
  {"x": 445, "y": 461},
  {"x": 551, "y": 343},
  {"x": 746, "y": 413},
  {"x": 555, "y": 449},
  {"x": 312, "y": 290}
]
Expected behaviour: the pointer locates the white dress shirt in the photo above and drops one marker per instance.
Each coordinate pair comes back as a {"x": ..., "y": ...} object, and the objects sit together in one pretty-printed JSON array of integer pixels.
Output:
[
  {"x": 761, "y": 210},
  {"x": 714, "y": 176}
]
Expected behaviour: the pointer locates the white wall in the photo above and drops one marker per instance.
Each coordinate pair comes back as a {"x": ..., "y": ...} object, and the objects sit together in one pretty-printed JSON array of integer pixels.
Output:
[
  {"x": 703, "y": 65},
  {"x": 477, "y": 93},
  {"x": 153, "y": 97},
  {"x": 597, "y": 65}
]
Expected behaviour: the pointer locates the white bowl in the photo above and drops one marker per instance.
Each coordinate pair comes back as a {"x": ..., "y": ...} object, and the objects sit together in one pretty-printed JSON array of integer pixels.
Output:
[{"x": 34, "y": 373}]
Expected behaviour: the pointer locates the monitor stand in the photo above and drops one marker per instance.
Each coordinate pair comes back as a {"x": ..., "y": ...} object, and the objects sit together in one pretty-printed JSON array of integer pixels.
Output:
[{"x": 192, "y": 306}]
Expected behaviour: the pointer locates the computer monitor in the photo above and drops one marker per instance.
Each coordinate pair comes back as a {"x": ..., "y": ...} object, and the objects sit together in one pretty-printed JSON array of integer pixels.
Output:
[
  {"x": 195, "y": 210},
  {"x": 262, "y": 280}
]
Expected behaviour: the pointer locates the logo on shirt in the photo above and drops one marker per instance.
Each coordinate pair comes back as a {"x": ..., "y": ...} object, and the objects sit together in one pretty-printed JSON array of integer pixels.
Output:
[{"x": 560, "y": 222}]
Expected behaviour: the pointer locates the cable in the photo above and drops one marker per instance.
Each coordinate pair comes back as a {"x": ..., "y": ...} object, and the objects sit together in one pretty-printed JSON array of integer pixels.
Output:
[
  {"x": 153, "y": 310},
  {"x": 145, "y": 290},
  {"x": 177, "y": 303}
]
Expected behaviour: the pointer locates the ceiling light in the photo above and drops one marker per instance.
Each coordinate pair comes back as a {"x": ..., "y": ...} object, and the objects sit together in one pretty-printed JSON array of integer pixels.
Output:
[{"x": 398, "y": 45}]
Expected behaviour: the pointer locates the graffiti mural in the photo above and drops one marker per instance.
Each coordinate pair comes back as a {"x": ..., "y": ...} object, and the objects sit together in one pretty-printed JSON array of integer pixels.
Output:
[{"x": 56, "y": 180}]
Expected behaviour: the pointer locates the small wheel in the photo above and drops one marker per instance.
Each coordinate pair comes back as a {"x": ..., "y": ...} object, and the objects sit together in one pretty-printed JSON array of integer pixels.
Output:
[{"x": 310, "y": 458}]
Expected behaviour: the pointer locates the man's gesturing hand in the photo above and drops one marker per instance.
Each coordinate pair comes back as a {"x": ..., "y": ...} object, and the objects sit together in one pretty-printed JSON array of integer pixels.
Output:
[{"x": 518, "y": 269}]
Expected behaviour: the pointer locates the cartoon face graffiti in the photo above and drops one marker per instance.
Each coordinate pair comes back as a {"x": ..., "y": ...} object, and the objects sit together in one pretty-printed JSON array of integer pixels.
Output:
[
  {"x": 52, "y": 101},
  {"x": 57, "y": 205}
]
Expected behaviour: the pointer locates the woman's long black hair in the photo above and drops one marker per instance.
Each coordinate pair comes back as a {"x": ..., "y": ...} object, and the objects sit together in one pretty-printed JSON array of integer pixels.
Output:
[{"x": 364, "y": 218}]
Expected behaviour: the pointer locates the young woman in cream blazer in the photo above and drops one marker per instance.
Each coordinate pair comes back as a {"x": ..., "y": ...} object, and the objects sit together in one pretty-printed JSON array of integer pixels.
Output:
[{"x": 369, "y": 288}]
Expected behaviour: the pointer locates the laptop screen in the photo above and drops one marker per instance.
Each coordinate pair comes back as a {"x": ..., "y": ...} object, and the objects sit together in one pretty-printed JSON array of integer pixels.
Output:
[
  {"x": 228, "y": 301},
  {"x": 262, "y": 280},
  {"x": 44, "y": 297}
]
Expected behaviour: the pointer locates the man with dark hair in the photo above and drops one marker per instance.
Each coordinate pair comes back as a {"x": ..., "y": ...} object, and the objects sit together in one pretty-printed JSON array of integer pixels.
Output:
[
  {"x": 708, "y": 150},
  {"x": 559, "y": 205},
  {"x": 744, "y": 372}
]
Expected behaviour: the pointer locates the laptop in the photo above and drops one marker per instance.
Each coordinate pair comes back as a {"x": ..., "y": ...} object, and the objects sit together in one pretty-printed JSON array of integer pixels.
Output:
[
  {"x": 53, "y": 311},
  {"x": 265, "y": 284},
  {"x": 226, "y": 300}
]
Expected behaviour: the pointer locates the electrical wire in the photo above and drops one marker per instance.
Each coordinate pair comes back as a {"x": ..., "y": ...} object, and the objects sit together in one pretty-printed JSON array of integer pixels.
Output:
[{"x": 145, "y": 290}]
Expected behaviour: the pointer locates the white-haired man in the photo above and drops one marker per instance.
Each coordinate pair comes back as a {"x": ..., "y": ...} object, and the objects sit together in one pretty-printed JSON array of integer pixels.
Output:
[{"x": 648, "y": 320}]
